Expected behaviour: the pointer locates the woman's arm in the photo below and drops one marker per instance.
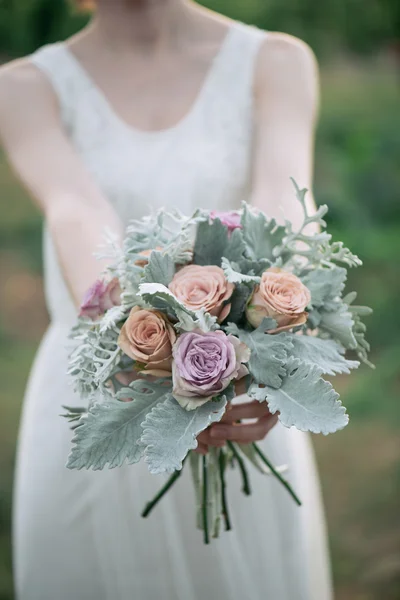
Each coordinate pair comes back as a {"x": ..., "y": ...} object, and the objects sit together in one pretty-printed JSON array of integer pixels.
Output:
[
  {"x": 45, "y": 161},
  {"x": 286, "y": 106}
]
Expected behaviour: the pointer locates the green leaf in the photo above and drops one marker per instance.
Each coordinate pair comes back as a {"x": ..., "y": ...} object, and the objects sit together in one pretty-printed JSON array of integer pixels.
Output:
[
  {"x": 159, "y": 269},
  {"x": 235, "y": 247},
  {"x": 327, "y": 355},
  {"x": 170, "y": 431},
  {"x": 233, "y": 274},
  {"x": 109, "y": 433},
  {"x": 238, "y": 302},
  {"x": 326, "y": 287},
  {"x": 211, "y": 243},
  {"x": 269, "y": 353},
  {"x": 261, "y": 235},
  {"x": 306, "y": 401},
  {"x": 339, "y": 325}
]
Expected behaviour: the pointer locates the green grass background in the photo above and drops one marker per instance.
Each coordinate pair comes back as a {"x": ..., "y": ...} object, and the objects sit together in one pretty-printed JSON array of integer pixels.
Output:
[{"x": 358, "y": 175}]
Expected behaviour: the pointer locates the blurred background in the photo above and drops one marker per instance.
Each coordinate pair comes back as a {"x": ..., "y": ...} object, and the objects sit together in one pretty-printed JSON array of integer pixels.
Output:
[{"x": 358, "y": 175}]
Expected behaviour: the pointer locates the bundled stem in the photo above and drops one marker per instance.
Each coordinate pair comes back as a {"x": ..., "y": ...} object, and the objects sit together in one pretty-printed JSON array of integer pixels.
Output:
[
  {"x": 169, "y": 483},
  {"x": 245, "y": 478},
  {"x": 225, "y": 510},
  {"x": 204, "y": 506},
  {"x": 277, "y": 474}
]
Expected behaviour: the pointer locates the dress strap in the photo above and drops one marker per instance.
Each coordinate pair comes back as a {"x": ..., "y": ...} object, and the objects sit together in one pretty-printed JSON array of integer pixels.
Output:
[
  {"x": 70, "y": 86},
  {"x": 233, "y": 74}
]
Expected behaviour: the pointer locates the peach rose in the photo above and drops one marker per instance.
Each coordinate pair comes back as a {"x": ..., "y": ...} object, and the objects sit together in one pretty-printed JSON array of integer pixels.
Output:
[
  {"x": 203, "y": 287},
  {"x": 146, "y": 255},
  {"x": 147, "y": 337},
  {"x": 281, "y": 296}
]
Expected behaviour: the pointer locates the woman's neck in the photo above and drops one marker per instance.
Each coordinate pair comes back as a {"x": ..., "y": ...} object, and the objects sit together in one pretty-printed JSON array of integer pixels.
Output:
[{"x": 144, "y": 24}]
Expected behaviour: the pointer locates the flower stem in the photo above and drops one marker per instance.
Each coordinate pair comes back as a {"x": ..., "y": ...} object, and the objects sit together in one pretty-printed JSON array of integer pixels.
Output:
[
  {"x": 245, "y": 478},
  {"x": 225, "y": 510},
  {"x": 169, "y": 483},
  {"x": 277, "y": 474},
  {"x": 204, "y": 506}
]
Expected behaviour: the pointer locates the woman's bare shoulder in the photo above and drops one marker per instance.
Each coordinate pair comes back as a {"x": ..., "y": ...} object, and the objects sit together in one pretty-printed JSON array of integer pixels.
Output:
[
  {"x": 284, "y": 51},
  {"x": 23, "y": 86},
  {"x": 287, "y": 68}
]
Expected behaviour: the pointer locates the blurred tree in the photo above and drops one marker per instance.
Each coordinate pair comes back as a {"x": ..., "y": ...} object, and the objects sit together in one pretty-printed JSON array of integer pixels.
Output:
[{"x": 361, "y": 26}]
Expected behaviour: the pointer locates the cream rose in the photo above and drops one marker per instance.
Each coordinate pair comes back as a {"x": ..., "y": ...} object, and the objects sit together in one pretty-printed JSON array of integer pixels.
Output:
[
  {"x": 203, "y": 287},
  {"x": 281, "y": 296},
  {"x": 147, "y": 337}
]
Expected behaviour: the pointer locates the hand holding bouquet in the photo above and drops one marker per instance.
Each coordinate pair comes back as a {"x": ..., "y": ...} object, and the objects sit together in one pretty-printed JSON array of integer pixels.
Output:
[{"x": 191, "y": 307}]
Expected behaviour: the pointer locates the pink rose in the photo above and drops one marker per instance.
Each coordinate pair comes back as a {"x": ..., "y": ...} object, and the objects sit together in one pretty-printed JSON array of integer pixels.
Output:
[
  {"x": 205, "y": 364},
  {"x": 281, "y": 296},
  {"x": 230, "y": 219},
  {"x": 147, "y": 337},
  {"x": 203, "y": 287},
  {"x": 100, "y": 297}
]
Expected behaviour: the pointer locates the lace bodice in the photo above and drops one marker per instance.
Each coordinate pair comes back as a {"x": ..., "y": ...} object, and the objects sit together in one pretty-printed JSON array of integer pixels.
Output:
[{"x": 203, "y": 161}]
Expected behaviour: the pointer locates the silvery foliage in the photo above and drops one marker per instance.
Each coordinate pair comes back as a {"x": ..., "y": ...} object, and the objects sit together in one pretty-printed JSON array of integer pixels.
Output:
[
  {"x": 304, "y": 400},
  {"x": 94, "y": 358},
  {"x": 269, "y": 353},
  {"x": 325, "y": 354},
  {"x": 109, "y": 433},
  {"x": 170, "y": 431},
  {"x": 317, "y": 249},
  {"x": 213, "y": 242}
]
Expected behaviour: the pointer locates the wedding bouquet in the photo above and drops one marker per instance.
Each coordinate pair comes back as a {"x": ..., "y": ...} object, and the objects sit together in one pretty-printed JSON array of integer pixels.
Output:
[{"x": 189, "y": 307}]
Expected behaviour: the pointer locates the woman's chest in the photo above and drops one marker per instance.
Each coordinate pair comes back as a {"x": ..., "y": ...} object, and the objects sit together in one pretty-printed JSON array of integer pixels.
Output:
[{"x": 202, "y": 165}]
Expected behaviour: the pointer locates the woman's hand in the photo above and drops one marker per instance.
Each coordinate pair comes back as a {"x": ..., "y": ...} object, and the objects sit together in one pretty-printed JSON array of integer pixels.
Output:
[{"x": 229, "y": 428}]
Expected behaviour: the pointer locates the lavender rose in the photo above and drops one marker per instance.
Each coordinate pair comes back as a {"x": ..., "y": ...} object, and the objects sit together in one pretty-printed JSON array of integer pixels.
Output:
[
  {"x": 205, "y": 364},
  {"x": 100, "y": 297},
  {"x": 282, "y": 296},
  {"x": 203, "y": 287},
  {"x": 147, "y": 337},
  {"x": 230, "y": 219}
]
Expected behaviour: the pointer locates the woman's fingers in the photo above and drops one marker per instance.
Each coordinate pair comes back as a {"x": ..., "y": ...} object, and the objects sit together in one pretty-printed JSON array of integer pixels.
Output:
[
  {"x": 243, "y": 432},
  {"x": 205, "y": 439},
  {"x": 240, "y": 387},
  {"x": 245, "y": 410},
  {"x": 201, "y": 448}
]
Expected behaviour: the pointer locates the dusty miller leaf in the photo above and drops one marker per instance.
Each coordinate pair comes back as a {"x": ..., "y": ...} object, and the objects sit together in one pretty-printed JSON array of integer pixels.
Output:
[
  {"x": 109, "y": 433},
  {"x": 261, "y": 235},
  {"x": 339, "y": 325},
  {"x": 306, "y": 401},
  {"x": 269, "y": 353},
  {"x": 201, "y": 320},
  {"x": 159, "y": 269},
  {"x": 327, "y": 355},
  {"x": 233, "y": 274},
  {"x": 170, "y": 431},
  {"x": 326, "y": 287},
  {"x": 213, "y": 242},
  {"x": 238, "y": 302}
]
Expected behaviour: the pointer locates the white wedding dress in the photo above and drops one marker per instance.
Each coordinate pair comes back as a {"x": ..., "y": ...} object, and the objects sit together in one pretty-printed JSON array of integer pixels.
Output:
[{"x": 78, "y": 534}]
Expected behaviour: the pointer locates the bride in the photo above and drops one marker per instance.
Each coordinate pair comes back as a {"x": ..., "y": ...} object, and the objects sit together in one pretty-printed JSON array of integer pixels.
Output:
[{"x": 155, "y": 103}]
